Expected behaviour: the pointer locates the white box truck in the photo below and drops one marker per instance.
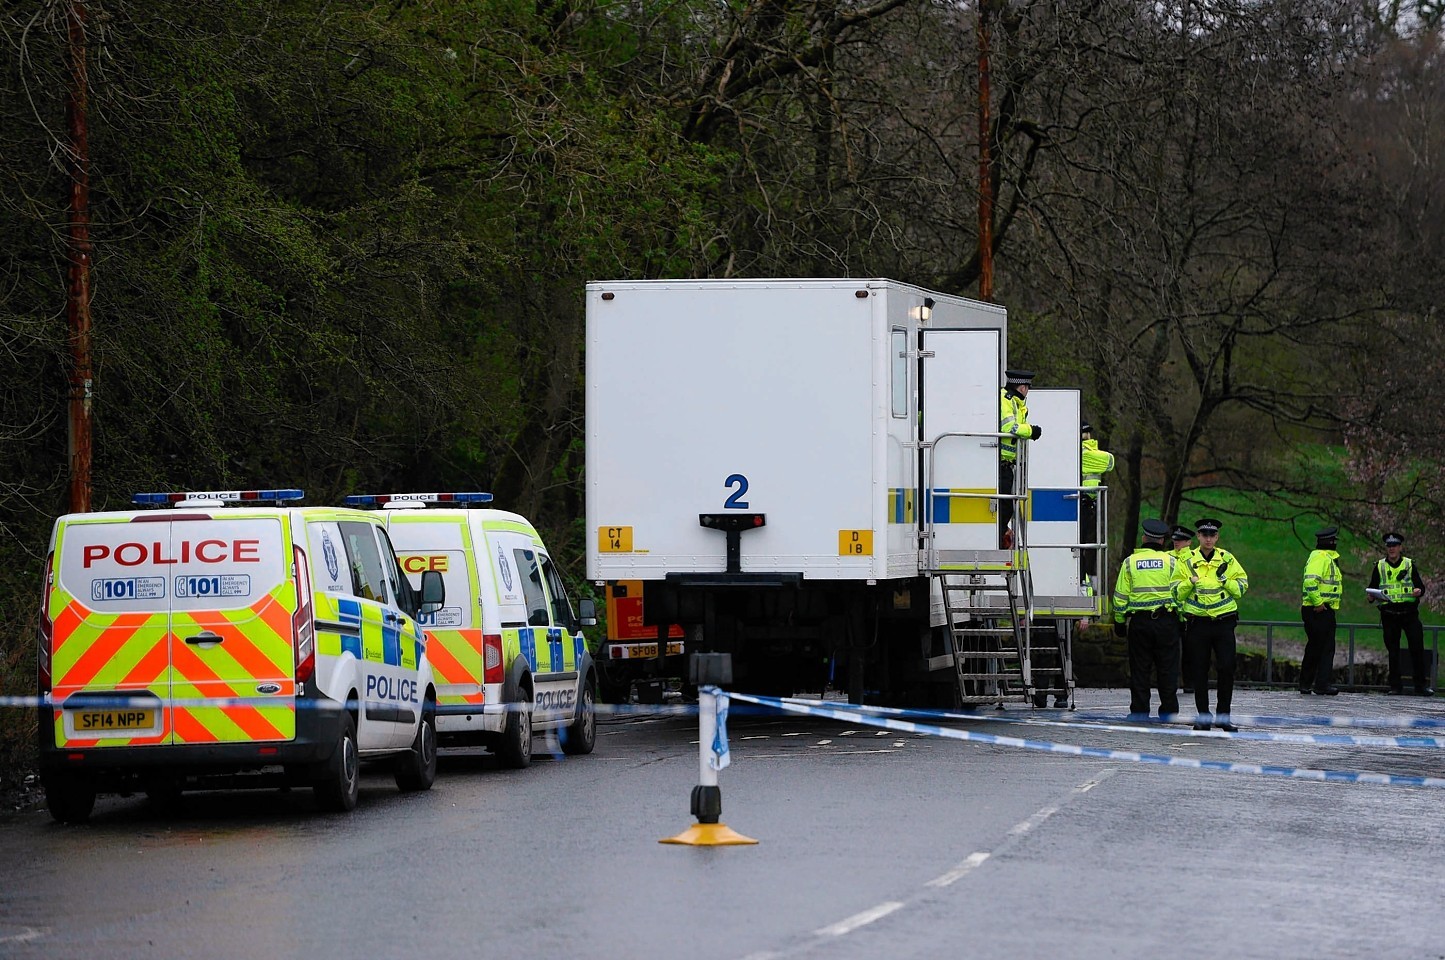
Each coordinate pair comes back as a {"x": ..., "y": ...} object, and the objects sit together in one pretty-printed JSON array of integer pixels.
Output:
[{"x": 791, "y": 470}]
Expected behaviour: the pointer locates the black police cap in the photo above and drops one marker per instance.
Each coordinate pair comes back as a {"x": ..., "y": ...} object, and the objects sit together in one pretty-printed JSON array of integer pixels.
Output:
[
  {"x": 1326, "y": 533},
  {"x": 1019, "y": 377},
  {"x": 1393, "y": 539},
  {"x": 1208, "y": 525},
  {"x": 1157, "y": 529},
  {"x": 1086, "y": 428},
  {"x": 1181, "y": 533}
]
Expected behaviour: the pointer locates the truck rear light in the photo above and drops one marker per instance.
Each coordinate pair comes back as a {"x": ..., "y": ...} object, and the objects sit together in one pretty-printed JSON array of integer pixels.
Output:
[
  {"x": 492, "y": 658},
  {"x": 47, "y": 627},
  {"x": 303, "y": 623}
]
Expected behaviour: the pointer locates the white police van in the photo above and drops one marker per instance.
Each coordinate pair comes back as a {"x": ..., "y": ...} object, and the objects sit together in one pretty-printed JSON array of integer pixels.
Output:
[
  {"x": 230, "y": 639},
  {"x": 507, "y": 648}
]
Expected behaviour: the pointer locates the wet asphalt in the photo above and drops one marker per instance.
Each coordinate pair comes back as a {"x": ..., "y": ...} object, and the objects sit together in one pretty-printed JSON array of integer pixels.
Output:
[{"x": 872, "y": 843}]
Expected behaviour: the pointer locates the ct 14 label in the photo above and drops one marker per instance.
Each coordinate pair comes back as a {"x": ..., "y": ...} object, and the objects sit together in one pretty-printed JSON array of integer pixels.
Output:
[{"x": 614, "y": 539}]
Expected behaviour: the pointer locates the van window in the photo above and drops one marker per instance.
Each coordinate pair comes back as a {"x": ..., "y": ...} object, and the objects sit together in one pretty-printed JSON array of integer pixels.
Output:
[
  {"x": 532, "y": 587},
  {"x": 561, "y": 608},
  {"x": 367, "y": 579},
  {"x": 400, "y": 589}
]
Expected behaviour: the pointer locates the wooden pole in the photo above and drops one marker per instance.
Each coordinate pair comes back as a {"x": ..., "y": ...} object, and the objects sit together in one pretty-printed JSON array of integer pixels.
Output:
[
  {"x": 78, "y": 299},
  {"x": 985, "y": 162}
]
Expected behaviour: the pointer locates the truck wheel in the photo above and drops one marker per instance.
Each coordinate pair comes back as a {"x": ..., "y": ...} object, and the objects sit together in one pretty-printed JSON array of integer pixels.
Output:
[
  {"x": 581, "y": 735},
  {"x": 516, "y": 748},
  {"x": 338, "y": 780},
  {"x": 417, "y": 768},
  {"x": 69, "y": 798}
]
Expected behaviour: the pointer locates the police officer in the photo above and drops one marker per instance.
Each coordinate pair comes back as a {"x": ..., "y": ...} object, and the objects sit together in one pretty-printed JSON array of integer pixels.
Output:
[
  {"x": 1397, "y": 578},
  {"x": 1323, "y": 584},
  {"x": 1093, "y": 464},
  {"x": 1183, "y": 540},
  {"x": 1149, "y": 588},
  {"x": 1211, "y": 613},
  {"x": 1013, "y": 423}
]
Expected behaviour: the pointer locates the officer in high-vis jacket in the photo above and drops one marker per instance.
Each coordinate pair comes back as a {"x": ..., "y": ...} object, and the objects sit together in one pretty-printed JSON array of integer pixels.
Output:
[
  {"x": 1211, "y": 612},
  {"x": 1319, "y": 604},
  {"x": 1147, "y": 593},
  {"x": 1013, "y": 423},
  {"x": 1396, "y": 585}
]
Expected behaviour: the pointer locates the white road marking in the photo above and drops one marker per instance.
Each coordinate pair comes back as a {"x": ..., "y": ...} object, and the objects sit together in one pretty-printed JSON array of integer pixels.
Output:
[
  {"x": 859, "y": 919},
  {"x": 960, "y": 871},
  {"x": 1019, "y": 829},
  {"x": 822, "y": 743},
  {"x": 24, "y": 936}
]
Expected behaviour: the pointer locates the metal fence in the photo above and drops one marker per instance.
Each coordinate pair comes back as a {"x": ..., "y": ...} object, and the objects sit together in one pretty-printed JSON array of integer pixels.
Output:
[{"x": 1432, "y": 644}]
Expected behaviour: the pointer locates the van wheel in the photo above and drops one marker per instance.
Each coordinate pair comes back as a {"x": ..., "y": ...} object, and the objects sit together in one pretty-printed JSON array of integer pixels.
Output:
[
  {"x": 516, "y": 748},
  {"x": 417, "y": 768},
  {"x": 69, "y": 798},
  {"x": 338, "y": 780},
  {"x": 581, "y": 735}
]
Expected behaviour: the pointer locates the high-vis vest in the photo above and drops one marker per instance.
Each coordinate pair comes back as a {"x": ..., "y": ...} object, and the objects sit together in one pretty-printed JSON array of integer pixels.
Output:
[
  {"x": 1094, "y": 463},
  {"x": 1148, "y": 580},
  {"x": 1013, "y": 420},
  {"x": 1215, "y": 596},
  {"x": 1398, "y": 582},
  {"x": 1323, "y": 583}
]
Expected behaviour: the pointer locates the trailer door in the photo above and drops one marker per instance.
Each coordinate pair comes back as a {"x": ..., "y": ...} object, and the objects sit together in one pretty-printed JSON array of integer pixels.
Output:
[
  {"x": 1053, "y": 504},
  {"x": 958, "y": 423}
]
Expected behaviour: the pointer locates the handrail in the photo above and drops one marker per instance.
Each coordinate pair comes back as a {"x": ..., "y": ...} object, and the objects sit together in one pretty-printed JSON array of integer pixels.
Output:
[{"x": 1269, "y": 625}]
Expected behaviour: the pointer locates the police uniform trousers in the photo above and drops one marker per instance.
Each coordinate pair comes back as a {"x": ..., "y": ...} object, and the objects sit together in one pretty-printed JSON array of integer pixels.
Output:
[
  {"x": 1405, "y": 619},
  {"x": 1206, "y": 637},
  {"x": 1005, "y": 507},
  {"x": 1317, "y": 666},
  {"x": 1154, "y": 649}
]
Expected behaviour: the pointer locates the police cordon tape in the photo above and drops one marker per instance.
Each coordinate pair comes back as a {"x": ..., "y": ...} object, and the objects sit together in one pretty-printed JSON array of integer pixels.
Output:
[
  {"x": 867, "y": 718},
  {"x": 1158, "y": 727},
  {"x": 1081, "y": 721}
]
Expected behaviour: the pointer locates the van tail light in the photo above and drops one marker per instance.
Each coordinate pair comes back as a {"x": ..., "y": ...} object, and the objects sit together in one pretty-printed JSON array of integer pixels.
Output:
[
  {"x": 491, "y": 658},
  {"x": 47, "y": 626},
  {"x": 303, "y": 623}
]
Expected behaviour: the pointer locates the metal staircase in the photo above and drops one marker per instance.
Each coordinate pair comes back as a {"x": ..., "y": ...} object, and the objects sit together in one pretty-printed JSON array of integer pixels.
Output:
[{"x": 997, "y": 653}]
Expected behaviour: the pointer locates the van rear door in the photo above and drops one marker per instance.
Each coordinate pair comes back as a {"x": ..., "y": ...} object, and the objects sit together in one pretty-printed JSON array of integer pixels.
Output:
[
  {"x": 110, "y": 610},
  {"x": 425, "y": 542},
  {"x": 233, "y": 658}
]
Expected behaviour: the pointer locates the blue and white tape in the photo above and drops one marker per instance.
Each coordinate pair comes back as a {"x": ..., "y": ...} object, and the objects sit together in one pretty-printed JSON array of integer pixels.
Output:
[
  {"x": 1321, "y": 739},
  {"x": 853, "y": 715}
]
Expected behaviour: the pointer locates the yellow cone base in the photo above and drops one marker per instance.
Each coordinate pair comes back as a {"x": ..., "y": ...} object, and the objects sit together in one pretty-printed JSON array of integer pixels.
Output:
[{"x": 709, "y": 835}]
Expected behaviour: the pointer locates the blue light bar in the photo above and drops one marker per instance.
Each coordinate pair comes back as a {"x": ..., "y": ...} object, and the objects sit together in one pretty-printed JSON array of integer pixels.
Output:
[
  {"x": 225, "y": 496},
  {"x": 379, "y": 499}
]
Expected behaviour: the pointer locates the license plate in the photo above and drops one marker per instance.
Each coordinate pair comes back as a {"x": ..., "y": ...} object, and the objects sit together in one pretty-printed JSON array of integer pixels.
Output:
[
  {"x": 641, "y": 651},
  {"x": 114, "y": 721}
]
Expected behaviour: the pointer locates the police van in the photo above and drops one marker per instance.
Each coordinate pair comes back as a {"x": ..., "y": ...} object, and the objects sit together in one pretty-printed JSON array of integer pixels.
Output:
[
  {"x": 227, "y": 639},
  {"x": 507, "y": 648}
]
